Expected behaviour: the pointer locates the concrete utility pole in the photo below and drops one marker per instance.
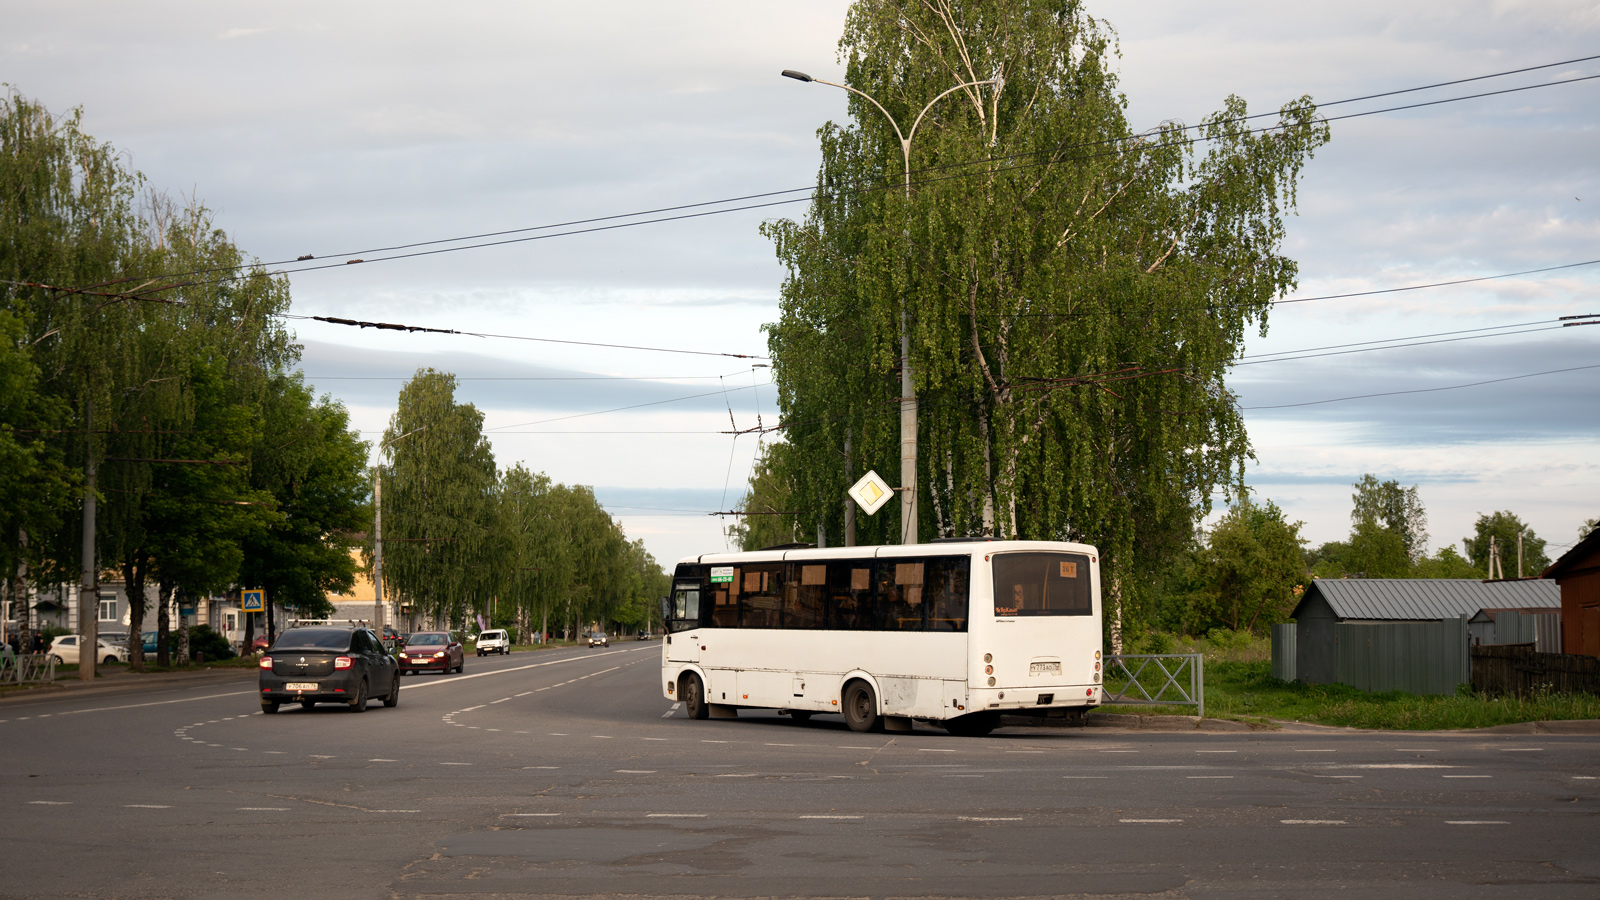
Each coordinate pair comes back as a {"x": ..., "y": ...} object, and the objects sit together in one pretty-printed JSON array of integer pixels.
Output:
[
  {"x": 908, "y": 390},
  {"x": 849, "y": 504},
  {"x": 89, "y": 584},
  {"x": 377, "y": 551},
  {"x": 1519, "y": 554}
]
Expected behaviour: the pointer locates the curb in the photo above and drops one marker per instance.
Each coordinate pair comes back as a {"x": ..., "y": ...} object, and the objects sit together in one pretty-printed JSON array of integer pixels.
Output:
[{"x": 124, "y": 683}]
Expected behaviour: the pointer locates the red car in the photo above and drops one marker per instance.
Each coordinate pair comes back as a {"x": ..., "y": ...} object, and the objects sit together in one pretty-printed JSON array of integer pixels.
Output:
[{"x": 432, "y": 650}]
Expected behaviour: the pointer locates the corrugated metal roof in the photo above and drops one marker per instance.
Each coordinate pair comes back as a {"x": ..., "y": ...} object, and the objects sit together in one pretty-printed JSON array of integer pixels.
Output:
[{"x": 1428, "y": 598}]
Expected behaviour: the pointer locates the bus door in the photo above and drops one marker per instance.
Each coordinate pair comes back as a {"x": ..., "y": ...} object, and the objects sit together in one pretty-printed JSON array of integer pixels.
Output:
[{"x": 683, "y": 619}]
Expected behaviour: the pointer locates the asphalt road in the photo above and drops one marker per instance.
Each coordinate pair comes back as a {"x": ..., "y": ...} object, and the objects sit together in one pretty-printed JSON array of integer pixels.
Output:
[{"x": 565, "y": 773}]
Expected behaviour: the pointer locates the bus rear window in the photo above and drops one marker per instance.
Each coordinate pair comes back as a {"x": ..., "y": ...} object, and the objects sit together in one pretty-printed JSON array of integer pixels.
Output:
[{"x": 1041, "y": 584}]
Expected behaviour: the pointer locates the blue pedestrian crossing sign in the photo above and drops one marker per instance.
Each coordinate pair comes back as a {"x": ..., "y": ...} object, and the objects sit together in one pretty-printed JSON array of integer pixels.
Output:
[{"x": 252, "y": 601}]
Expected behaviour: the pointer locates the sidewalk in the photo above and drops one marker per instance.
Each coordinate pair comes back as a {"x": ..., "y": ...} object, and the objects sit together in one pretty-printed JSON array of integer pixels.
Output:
[{"x": 68, "y": 685}]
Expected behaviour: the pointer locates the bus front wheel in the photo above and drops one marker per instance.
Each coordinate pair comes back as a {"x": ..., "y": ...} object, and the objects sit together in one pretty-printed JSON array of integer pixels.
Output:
[
  {"x": 694, "y": 697},
  {"x": 861, "y": 707}
]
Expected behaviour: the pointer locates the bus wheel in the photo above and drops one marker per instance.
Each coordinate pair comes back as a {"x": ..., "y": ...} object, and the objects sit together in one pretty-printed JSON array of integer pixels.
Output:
[
  {"x": 694, "y": 697},
  {"x": 973, "y": 724},
  {"x": 861, "y": 707}
]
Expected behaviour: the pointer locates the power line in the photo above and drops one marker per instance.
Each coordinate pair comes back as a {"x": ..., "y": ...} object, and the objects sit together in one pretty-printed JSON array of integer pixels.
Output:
[
  {"x": 358, "y": 256},
  {"x": 602, "y": 412},
  {"x": 1448, "y": 387}
]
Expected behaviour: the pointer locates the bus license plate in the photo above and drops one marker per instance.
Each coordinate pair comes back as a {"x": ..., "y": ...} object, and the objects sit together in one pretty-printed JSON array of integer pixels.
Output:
[
  {"x": 1044, "y": 668},
  {"x": 301, "y": 686}
]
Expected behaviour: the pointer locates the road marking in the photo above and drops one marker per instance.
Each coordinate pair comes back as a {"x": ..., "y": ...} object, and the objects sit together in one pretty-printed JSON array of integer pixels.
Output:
[
  {"x": 1024, "y": 751},
  {"x": 470, "y": 708},
  {"x": 1119, "y": 751},
  {"x": 961, "y": 776},
  {"x": 1150, "y": 821},
  {"x": 1216, "y": 751},
  {"x": 933, "y": 750},
  {"x": 1086, "y": 776},
  {"x": 1520, "y": 750},
  {"x": 1475, "y": 822},
  {"x": 541, "y": 767},
  {"x": 144, "y": 806},
  {"x": 262, "y": 808},
  {"x": 1468, "y": 776},
  {"x": 653, "y": 739},
  {"x": 1339, "y": 776},
  {"x": 603, "y": 737},
  {"x": 529, "y": 815},
  {"x": 675, "y": 815},
  {"x": 667, "y": 715},
  {"x": 636, "y": 771},
  {"x": 713, "y": 742},
  {"x": 1414, "y": 750},
  {"x": 857, "y": 748},
  {"x": 455, "y": 764},
  {"x": 460, "y": 678},
  {"x": 989, "y": 818},
  {"x": 1313, "y": 821},
  {"x": 1585, "y": 777},
  {"x": 394, "y": 810},
  {"x": 501, "y": 700},
  {"x": 49, "y": 802},
  {"x": 314, "y": 756},
  {"x": 558, "y": 734},
  {"x": 238, "y": 748},
  {"x": 1230, "y": 776},
  {"x": 383, "y": 760},
  {"x": 1393, "y": 766},
  {"x": 781, "y": 745},
  {"x": 275, "y": 752},
  {"x": 1298, "y": 750},
  {"x": 832, "y": 817}
]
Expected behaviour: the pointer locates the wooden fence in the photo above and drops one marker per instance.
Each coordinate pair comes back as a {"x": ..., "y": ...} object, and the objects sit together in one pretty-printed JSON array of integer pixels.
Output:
[{"x": 1520, "y": 670}]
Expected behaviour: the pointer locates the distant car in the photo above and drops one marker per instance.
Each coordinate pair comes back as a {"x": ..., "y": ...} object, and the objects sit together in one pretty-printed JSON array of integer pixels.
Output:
[
  {"x": 65, "y": 649},
  {"x": 645, "y": 636},
  {"x": 327, "y": 664},
  {"x": 599, "y": 639},
  {"x": 432, "y": 650},
  {"x": 260, "y": 643},
  {"x": 495, "y": 640}
]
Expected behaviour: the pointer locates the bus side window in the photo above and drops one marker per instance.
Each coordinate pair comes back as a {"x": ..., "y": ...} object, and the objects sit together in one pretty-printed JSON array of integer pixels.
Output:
[
  {"x": 805, "y": 597},
  {"x": 900, "y": 603},
  {"x": 946, "y": 593},
  {"x": 725, "y": 610},
  {"x": 850, "y": 596},
  {"x": 761, "y": 596}
]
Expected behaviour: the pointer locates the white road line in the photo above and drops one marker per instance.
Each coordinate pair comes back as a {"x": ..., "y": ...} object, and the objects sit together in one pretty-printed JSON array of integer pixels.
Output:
[
  {"x": 1313, "y": 821},
  {"x": 524, "y": 693},
  {"x": 1119, "y": 751},
  {"x": 1468, "y": 776},
  {"x": 455, "y": 764},
  {"x": 989, "y": 818},
  {"x": 1150, "y": 821},
  {"x": 667, "y": 715},
  {"x": 501, "y": 700},
  {"x": 1216, "y": 751},
  {"x": 276, "y": 752},
  {"x": 961, "y": 776},
  {"x": 636, "y": 771},
  {"x": 933, "y": 750},
  {"x": 261, "y": 808},
  {"x": 1230, "y": 776},
  {"x": 652, "y": 739},
  {"x": 394, "y": 810},
  {"x": 783, "y": 745},
  {"x": 470, "y": 708},
  {"x": 1585, "y": 777},
  {"x": 1475, "y": 822},
  {"x": 144, "y": 806},
  {"x": 73, "y": 712},
  {"x": 314, "y": 756},
  {"x": 383, "y": 760},
  {"x": 529, "y": 815},
  {"x": 1392, "y": 766},
  {"x": 1024, "y": 751},
  {"x": 49, "y": 802},
  {"x": 1520, "y": 750},
  {"x": 541, "y": 767},
  {"x": 460, "y": 678},
  {"x": 1339, "y": 776},
  {"x": 1298, "y": 750},
  {"x": 1414, "y": 750},
  {"x": 832, "y": 817},
  {"x": 857, "y": 748},
  {"x": 675, "y": 815},
  {"x": 1086, "y": 776},
  {"x": 713, "y": 742}
]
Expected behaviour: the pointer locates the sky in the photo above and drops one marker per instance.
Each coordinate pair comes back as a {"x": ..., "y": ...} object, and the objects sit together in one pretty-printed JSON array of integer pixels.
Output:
[{"x": 337, "y": 130}]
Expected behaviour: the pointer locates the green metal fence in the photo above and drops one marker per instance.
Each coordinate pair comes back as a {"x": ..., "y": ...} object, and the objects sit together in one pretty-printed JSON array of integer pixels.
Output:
[{"x": 1416, "y": 657}]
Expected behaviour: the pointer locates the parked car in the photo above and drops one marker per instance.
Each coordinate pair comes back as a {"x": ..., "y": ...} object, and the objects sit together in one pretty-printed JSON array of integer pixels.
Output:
[
  {"x": 65, "y": 649},
  {"x": 495, "y": 640},
  {"x": 260, "y": 643},
  {"x": 599, "y": 639},
  {"x": 327, "y": 664},
  {"x": 430, "y": 650}
]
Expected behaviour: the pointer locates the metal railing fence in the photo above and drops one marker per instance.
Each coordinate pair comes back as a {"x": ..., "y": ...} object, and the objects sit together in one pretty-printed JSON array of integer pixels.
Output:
[
  {"x": 1156, "y": 679},
  {"x": 27, "y": 668}
]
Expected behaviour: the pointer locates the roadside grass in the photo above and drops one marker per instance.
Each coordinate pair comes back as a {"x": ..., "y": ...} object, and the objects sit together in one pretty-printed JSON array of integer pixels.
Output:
[{"x": 1246, "y": 691}]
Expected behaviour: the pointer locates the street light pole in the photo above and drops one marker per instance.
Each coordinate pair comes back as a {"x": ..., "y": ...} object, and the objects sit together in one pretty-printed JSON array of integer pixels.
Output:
[{"x": 908, "y": 390}]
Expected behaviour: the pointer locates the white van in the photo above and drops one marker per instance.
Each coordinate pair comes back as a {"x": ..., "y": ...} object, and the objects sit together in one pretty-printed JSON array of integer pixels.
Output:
[{"x": 495, "y": 640}]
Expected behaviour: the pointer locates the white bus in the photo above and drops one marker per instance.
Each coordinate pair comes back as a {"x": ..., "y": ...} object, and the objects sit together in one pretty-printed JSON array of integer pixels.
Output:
[{"x": 953, "y": 633}]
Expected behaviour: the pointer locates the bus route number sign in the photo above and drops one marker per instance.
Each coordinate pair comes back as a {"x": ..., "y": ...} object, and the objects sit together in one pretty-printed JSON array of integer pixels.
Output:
[{"x": 721, "y": 574}]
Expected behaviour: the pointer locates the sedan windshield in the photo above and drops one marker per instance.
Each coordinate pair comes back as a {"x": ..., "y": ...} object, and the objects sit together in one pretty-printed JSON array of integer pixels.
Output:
[
  {"x": 427, "y": 640},
  {"x": 314, "y": 639}
]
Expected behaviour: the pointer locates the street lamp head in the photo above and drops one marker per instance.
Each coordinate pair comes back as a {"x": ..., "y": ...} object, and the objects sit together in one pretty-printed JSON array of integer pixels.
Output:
[{"x": 797, "y": 76}]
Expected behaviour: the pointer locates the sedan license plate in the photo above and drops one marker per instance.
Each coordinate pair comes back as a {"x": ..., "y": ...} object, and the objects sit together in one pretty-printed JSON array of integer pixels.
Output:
[
  {"x": 301, "y": 686},
  {"x": 1044, "y": 668}
]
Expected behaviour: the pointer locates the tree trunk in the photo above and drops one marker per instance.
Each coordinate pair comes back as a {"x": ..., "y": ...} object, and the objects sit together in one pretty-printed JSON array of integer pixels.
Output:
[
  {"x": 1116, "y": 614},
  {"x": 133, "y": 567},
  {"x": 19, "y": 595},
  {"x": 164, "y": 594},
  {"x": 184, "y": 597}
]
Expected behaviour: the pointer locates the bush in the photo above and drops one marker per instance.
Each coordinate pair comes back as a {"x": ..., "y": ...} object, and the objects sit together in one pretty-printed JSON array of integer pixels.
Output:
[{"x": 214, "y": 645}]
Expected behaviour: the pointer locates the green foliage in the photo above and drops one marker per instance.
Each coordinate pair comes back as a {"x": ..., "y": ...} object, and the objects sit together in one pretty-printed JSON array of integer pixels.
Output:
[
  {"x": 1386, "y": 506},
  {"x": 1251, "y": 569},
  {"x": 214, "y": 645},
  {"x": 1447, "y": 563},
  {"x": 772, "y": 506},
  {"x": 1071, "y": 312},
  {"x": 1504, "y": 527}
]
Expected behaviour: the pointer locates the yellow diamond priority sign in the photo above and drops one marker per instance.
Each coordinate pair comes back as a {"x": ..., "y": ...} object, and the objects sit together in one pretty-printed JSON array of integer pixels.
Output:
[{"x": 871, "y": 492}]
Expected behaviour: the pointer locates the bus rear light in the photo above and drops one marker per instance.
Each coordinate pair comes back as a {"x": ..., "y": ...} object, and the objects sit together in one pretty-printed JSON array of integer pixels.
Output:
[
  {"x": 835, "y": 703},
  {"x": 266, "y": 662},
  {"x": 1089, "y": 692},
  {"x": 1097, "y": 655},
  {"x": 991, "y": 681},
  {"x": 343, "y": 662},
  {"x": 1097, "y": 666},
  {"x": 988, "y": 657},
  {"x": 988, "y": 670}
]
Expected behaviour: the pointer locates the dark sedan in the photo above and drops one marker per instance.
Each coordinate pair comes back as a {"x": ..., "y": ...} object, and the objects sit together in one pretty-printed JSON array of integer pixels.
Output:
[
  {"x": 327, "y": 664},
  {"x": 432, "y": 651}
]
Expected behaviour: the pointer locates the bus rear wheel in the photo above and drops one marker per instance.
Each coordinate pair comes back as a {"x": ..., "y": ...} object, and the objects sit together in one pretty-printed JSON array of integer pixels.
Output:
[
  {"x": 973, "y": 724},
  {"x": 694, "y": 697},
  {"x": 861, "y": 707}
]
